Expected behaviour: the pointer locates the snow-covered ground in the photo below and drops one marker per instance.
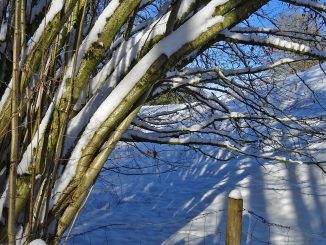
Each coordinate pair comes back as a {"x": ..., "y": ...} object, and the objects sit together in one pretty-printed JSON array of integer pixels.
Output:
[
  {"x": 188, "y": 205},
  {"x": 173, "y": 195}
]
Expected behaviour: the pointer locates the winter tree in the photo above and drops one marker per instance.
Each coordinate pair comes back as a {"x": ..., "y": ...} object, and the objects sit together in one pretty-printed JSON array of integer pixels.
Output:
[{"x": 75, "y": 74}]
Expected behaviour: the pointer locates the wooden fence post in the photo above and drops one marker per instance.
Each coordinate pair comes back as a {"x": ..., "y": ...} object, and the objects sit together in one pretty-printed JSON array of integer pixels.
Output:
[{"x": 234, "y": 218}]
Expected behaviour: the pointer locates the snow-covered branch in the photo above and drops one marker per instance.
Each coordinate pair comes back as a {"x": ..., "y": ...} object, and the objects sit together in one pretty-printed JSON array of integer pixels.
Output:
[
  {"x": 275, "y": 42},
  {"x": 309, "y": 4}
]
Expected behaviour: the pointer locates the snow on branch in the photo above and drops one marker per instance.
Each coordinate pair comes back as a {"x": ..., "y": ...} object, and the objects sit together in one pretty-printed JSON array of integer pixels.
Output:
[
  {"x": 187, "y": 140},
  {"x": 198, "y": 24},
  {"x": 195, "y": 140},
  {"x": 306, "y": 36},
  {"x": 93, "y": 35},
  {"x": 107, "y": 78},
  {"x": 3, "y": 31},
  {"x": 192, "y": 76},
  {"x": 184, "y": 7},
  {"x": 309, "y": 4},
  {"x": 275, "y": 42},
  {"x": 123, "y": 57},
  {"x": 211, "y": 72},
  {"x": 55, "y": 8}
]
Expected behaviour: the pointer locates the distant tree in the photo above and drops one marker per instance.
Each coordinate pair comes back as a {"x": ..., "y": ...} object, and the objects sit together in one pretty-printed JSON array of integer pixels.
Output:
[{"x": 74, "y": 75}]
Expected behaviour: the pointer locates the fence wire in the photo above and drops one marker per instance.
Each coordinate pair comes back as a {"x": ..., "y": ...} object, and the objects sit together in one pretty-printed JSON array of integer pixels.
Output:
[{"x": 199, "y": 230}]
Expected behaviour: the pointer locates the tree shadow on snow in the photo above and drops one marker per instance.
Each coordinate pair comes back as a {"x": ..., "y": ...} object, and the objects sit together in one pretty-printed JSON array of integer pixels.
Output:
[{"x": 187, "y": 205}]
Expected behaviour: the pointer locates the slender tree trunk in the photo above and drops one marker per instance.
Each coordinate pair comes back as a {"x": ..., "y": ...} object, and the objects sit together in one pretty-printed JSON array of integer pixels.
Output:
[
  {"x": 14, "y": 128},
  {"x": 23, "y": 26}
]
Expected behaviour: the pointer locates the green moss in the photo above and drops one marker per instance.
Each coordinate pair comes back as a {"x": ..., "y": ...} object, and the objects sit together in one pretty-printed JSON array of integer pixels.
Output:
[
  {"x": 171, "y": 97},
  {"x": 23, "y": 191}
]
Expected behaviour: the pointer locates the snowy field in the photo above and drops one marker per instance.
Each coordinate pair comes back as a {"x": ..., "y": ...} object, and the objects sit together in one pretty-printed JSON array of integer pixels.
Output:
[
  {"x": 284, "y": 204},
  {"x": 173, "y": 195}
]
